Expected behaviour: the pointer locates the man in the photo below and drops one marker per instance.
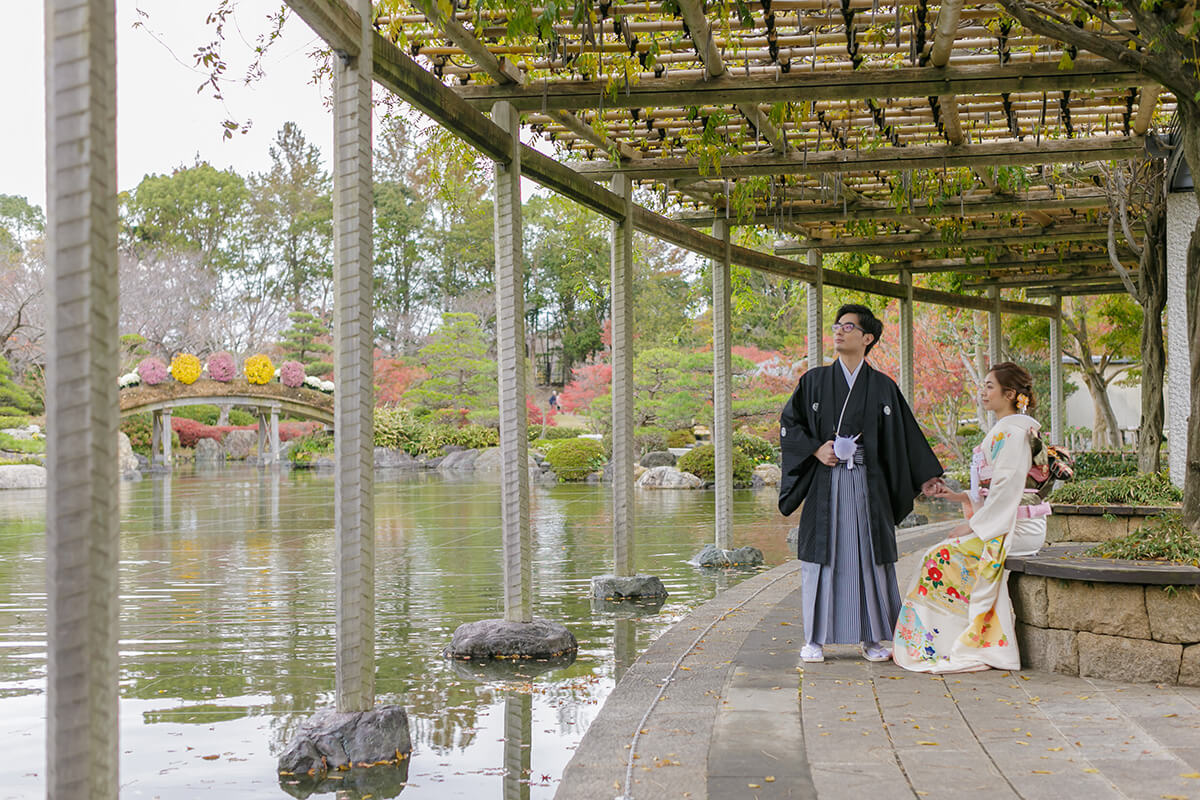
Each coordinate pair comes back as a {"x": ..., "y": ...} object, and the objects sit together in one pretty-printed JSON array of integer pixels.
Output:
[{"x": 855, "y": 457}]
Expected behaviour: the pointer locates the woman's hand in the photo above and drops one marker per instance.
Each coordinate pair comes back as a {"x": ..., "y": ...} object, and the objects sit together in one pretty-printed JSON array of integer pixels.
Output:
[{"x": 944, "y": 492}]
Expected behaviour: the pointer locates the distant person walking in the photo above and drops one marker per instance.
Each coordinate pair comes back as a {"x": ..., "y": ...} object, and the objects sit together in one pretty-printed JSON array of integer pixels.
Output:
[
  {"x": 854, "y": 455},
  {"x": 957, "y": 616},
  {"x": 553, "y": 401}
]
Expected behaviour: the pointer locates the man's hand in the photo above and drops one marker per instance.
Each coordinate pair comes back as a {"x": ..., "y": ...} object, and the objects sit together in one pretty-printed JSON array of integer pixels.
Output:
[
  {"x": 825, "y": 454},
  {"x": 932, "y": 486}
]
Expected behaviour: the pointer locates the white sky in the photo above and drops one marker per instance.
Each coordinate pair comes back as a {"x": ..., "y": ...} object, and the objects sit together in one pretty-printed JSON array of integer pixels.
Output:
[{"x": 162, "y": 122}]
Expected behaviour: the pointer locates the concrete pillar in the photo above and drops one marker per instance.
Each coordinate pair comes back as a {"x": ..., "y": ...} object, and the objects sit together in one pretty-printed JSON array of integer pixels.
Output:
[
  {"x": 622, "y": 382},
  {"x": 816, "y": 321},
  {"x": 155, "y": 437},
  {"x": 906, "y": 337},
  {"x": 275, "y": 435},
  {"x": 1057, "y": 400},
  {"x": 353, "y": 348},
  {"x": 262, "y": 436},
  {"x": 993, "y": 338},
  {"x": 722, "y": 430},
  {"x": 82, "y": 520},
  {"x": 168, "y": 434},
  {"x": 994, "y": 329},
  {"x": 1181, "y": 220},
  {"x": 510, "y": 344}
]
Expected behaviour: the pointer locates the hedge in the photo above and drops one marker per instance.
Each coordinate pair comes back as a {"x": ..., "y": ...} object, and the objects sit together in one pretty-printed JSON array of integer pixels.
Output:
[
  {"x": 701, "y": 462},
  {"x": 575, "y": 459}
]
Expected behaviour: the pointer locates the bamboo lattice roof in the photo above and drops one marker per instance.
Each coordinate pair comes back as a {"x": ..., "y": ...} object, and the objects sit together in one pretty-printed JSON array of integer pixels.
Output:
[{"x": 941, "y": 137}]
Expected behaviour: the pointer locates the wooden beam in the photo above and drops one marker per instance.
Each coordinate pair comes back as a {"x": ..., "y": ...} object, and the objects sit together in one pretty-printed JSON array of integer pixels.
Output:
[
  {"x": 978, "y": 264},
  {"x": 710, "y": 56},
  {"x": 1102, "y": 148},
  {"x": 918, "y": 242},
  {"x": 800, "y": 85},
  {"x": 1045, "y": 281},
  {"x": 506, "y": 73},
  {"x": 1077, "y": 291},
  {"x": 869, "y": 209},
  {"x": 334, "y": 21},
  {"x": 405, "y": 78}
]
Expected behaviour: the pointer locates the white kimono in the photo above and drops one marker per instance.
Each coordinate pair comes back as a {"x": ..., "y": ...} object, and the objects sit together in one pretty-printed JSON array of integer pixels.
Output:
[{"x": 957, "y": 616}]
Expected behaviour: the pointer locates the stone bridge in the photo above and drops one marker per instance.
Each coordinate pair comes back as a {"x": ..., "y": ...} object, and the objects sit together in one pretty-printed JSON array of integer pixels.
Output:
[{"x": 266, "y": 401}]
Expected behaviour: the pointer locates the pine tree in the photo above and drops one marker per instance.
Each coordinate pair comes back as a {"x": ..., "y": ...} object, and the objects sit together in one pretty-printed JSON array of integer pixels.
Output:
[{"x": 307, "y": 341}]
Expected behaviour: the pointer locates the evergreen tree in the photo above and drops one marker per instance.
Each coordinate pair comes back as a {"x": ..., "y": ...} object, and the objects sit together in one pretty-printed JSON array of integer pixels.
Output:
[
  {"x": 307, "y": 341},
  {"x": 15, "y": 400},
  {"x": 461, "y": 374}
]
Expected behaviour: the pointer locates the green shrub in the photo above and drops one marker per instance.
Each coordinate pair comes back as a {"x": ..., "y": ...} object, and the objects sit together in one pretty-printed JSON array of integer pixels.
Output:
[
  {"x": 13, "y": 445},
  {"x": 645, "y": 440},
  {"x": 757, "y": 449},
  {"x": 575, "y": 459},
  {"x": 969, "y": 432},
  {"x": 399, "y": 429},
  {"x": 1104, "y": 464},
  {"x": 1144, "y": 489},
  {"x": 1164, "y": 538},
  {"x": 554, "y": 434},
  {"x": 137, "y": 428},
  {"x": 308, "y": 449},
  {"x": 206, "y": 415},
  {"x": 701, "y": 462},
  {"x": 12, "y": 421},
  {"x": 681, "y": 438},
  {"x": 240, "y": 417}
]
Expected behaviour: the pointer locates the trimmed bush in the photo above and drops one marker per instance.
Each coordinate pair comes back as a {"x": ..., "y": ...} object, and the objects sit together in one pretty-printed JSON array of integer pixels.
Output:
[
  {"x": 1147, "y": 489},
  {"x": 137, "y": 428},
  {"x": 554, "y": 434},
  {"x": 13, "y": 421},
  {"x": 207, "y": 415},
  {"x": 1104, "y": 464},
  {"x": 681, "y": 438},
  {"x": 575, "y": 459},
  {"x": 221, "y": 367},
  {"x": 152, "y": 371},
  {"x": 240, "y": 418},
  {"x": 701, "y": 462},
  {"x": 756, "y": 448},
  {"x": 291, "y": 374}
]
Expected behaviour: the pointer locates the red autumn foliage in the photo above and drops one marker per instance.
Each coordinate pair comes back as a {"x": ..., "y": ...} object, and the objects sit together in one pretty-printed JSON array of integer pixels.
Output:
[
  {"x": 536, "y": 416},
  {"x": 393, "y": 378},
  {"x": 588, "y": 382},
  {"x": 190, "y": 431}
]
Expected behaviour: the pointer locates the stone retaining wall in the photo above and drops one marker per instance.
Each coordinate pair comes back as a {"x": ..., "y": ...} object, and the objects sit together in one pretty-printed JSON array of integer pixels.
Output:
[{"x": 1134, "y": 633}]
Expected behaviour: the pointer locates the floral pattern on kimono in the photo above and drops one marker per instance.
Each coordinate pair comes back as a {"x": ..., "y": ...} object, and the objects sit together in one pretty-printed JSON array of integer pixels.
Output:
[{"x": 957, "y": 615}]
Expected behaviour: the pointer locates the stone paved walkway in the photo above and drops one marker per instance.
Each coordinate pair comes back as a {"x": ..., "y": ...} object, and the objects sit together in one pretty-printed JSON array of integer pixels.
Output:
[{"x": 739, "y": 718}]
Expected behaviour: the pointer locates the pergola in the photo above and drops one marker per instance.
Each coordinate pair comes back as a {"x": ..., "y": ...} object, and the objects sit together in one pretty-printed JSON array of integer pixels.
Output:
[{"x": 942, "y": 139}]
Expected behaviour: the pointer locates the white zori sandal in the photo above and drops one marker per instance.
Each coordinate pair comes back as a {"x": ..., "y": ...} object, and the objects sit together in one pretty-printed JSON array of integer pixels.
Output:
[
  {"x": 812, "y": 653},
  {"x": 874, "y": 651}
]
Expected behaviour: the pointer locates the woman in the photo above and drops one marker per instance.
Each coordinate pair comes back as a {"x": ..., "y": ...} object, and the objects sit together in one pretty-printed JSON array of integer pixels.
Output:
[{"x": 957, "y": 616}]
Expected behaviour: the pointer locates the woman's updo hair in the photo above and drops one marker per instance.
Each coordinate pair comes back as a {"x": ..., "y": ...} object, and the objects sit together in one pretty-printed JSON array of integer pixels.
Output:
[{"x": 1015, "y": 378}]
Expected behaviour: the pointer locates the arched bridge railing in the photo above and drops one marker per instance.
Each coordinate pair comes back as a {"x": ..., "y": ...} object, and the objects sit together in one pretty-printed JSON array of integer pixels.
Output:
[{"x": 267, "y": 401}]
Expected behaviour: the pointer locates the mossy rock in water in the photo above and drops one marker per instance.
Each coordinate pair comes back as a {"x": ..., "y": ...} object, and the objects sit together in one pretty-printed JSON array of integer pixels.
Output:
[
  {"x": 575, "y": 459},
  {"x": 701, "y": 462}
]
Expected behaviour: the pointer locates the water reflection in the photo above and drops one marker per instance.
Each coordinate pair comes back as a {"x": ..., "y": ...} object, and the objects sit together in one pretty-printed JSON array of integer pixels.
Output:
[
  {"x": 227, "y": 623},
  {"x": 518, "y": 739}
]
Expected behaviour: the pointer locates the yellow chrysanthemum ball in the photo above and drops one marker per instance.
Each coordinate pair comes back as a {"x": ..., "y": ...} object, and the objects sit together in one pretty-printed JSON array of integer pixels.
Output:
[
  {"x": 258, "y": 369},
  {"x": 185, "y": 367}
]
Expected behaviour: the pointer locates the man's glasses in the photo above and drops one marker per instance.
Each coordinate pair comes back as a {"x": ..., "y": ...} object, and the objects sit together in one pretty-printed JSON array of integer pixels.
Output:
[{"x": 846, "y": 327}]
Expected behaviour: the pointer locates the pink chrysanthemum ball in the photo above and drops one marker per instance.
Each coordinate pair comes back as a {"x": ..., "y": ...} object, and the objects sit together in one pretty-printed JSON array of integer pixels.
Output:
[
  {"x": 221, "y": 367},
  {"x": 152, "y": 371},
  {"x": 291, "y": 373}
]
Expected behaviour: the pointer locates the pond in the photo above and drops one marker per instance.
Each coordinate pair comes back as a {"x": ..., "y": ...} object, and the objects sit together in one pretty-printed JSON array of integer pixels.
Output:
[{"x": 227, "y": 624}]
